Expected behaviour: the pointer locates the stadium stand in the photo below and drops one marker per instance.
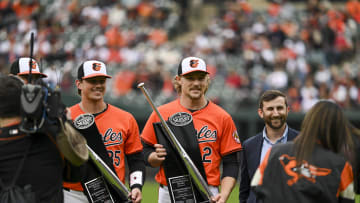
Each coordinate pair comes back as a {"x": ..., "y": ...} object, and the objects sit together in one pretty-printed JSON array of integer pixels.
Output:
[{"x": 310, "y": 52}]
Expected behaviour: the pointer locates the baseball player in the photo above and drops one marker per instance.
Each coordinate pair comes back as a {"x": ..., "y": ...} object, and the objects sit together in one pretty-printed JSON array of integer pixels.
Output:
[
  {"x": 215, "y": 130},
  {"x": 119, "y": 130},
  {"x": 20, "y": 67}
]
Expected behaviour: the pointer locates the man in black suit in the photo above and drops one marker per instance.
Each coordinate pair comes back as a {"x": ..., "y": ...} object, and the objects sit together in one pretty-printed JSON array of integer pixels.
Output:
[{"x": 273, "y": 109}]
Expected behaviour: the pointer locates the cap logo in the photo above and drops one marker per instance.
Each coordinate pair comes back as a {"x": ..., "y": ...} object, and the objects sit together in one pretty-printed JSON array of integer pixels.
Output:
[
  {"x": 180, "y": 119},
  {"x": 33, "y": 64},
  {"x": 194, "y": 63},
  {"x": 96, "y": 66}
]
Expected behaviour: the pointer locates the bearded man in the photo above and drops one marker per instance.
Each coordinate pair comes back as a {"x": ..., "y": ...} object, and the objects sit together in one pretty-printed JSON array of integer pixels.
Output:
[
  {"x": 216, "y": 141},
  {"x": 273, "y": 109}
]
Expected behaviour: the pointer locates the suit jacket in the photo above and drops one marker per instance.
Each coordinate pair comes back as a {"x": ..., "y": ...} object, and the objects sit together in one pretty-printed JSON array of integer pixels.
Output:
[{"x": 250, "y": 162}]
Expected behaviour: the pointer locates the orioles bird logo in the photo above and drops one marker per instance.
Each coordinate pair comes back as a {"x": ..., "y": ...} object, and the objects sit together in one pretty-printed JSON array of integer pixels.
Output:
[
  {"x": 96, "y": 66},
  {"x": 33, "y": 64},
  {"x": 194, "y": 63},
  {"x": 306, "y": 170}
]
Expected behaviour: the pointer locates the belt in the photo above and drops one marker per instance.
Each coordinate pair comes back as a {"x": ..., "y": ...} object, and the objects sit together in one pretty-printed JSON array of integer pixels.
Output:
[
  {"x": 67, "y": 189},
  {"x": 161, "y": 185}
]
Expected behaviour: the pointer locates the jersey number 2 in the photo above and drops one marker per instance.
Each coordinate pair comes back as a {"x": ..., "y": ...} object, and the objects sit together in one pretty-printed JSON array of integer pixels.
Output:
[{"x": 206, "y": 152}]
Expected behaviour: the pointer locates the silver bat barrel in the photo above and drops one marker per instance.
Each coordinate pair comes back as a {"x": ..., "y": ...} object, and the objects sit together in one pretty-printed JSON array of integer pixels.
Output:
[
  {"x": 108, "y": 174},
  {"x": 190, "y": 166}
]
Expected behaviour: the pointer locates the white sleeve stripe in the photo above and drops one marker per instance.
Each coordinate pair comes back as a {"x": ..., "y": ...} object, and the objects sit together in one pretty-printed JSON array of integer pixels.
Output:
[
  {"x": 256, "y": 179},
  {"x": 348, "y": 193}
]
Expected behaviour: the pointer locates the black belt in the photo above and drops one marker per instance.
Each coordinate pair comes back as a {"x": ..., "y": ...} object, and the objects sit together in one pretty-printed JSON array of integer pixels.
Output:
[{"x": 67, "y": 189}]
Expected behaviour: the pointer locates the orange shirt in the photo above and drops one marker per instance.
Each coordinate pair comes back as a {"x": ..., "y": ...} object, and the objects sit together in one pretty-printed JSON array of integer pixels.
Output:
[
  {"x": 120, "y": 134},
  {"x": 23, "y": 10},
  {"x": 353, "y": 8},
  {"x": 216, "y": 133}
]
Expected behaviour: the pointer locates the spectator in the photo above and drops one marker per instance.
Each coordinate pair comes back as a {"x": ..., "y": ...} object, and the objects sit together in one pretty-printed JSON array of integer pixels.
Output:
[
  {"x": 309, "y": 94},
  {"x": 237, "y": 36},
  {"x": 313, "y": 168},
  {"x": 273, "y": 109}
]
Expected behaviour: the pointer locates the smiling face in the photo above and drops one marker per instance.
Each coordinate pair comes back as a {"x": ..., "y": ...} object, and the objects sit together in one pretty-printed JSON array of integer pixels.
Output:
[
  {"x": 194, "y": 85},
  {"x": 92, "y": 88},
  {"x": 274, "y": 113}
]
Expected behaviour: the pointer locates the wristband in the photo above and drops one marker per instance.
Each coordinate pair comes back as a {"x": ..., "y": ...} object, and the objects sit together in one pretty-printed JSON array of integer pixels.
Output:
[{"x": 136, "y": 178}]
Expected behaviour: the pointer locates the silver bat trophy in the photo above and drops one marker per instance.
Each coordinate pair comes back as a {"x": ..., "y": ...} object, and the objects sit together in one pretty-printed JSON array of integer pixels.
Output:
[
  {"x": 109, "y": 175},
  {"x": 190, "y": 166}
]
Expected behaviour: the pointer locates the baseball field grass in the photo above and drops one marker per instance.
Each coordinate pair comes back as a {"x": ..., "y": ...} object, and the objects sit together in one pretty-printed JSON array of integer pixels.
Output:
[{"x": 150, "y": 193}]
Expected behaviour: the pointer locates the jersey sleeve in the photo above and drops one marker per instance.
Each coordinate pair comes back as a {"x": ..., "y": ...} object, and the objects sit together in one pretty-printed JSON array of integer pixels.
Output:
[
  {"x": 259, "y": 174},
  {"x": 346, "y": 186},
  {"x": 148, "y": 133},
  {"x": 230, "y": 141},
  {"x": 133, "y": 143}
]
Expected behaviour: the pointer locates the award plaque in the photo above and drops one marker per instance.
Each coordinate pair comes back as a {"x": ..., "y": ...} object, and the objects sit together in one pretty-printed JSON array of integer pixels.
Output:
[
  {"x": 97, "y": 188},
  {"x": 98, "y": 191},
  {"x": 179, "y": 181},
  {"x": 181, "y": 189}
]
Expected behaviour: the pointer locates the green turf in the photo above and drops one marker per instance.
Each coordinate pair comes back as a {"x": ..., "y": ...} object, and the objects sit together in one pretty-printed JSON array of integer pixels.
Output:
[{"x": 150, "y": 193}]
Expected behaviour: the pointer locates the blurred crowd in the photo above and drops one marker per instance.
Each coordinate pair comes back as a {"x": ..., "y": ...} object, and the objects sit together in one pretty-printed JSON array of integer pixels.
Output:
[{"x": 309, "y": 53}]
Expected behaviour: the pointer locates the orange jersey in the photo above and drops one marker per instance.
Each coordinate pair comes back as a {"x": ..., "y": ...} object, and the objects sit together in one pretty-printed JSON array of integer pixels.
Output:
[
  {"x": 120, "y": 134},
  {"x": 216, "y": 134}
]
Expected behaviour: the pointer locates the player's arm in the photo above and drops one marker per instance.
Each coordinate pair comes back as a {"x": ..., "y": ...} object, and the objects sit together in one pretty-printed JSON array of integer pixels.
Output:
[
  {"x": 135, "y": 159},
  {"x": 153, "y": 155},
  {"x": 231, "y": 165},
  {"x": 227, "y": 185},
  {"x": 136, "y": 169},
  {"x": 137, "y": 175}
]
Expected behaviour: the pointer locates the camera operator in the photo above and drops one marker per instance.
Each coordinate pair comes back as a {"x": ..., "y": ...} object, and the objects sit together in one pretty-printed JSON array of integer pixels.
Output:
[
  {"x": 35, "y": 137},
  {"x": 34, "y": 157}
]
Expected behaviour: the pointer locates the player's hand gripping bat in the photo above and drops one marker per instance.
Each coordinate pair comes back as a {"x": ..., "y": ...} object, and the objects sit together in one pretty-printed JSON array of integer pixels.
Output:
[
  {"x": 109, "y": 175},
  {"x": 195, "y": 174}
]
